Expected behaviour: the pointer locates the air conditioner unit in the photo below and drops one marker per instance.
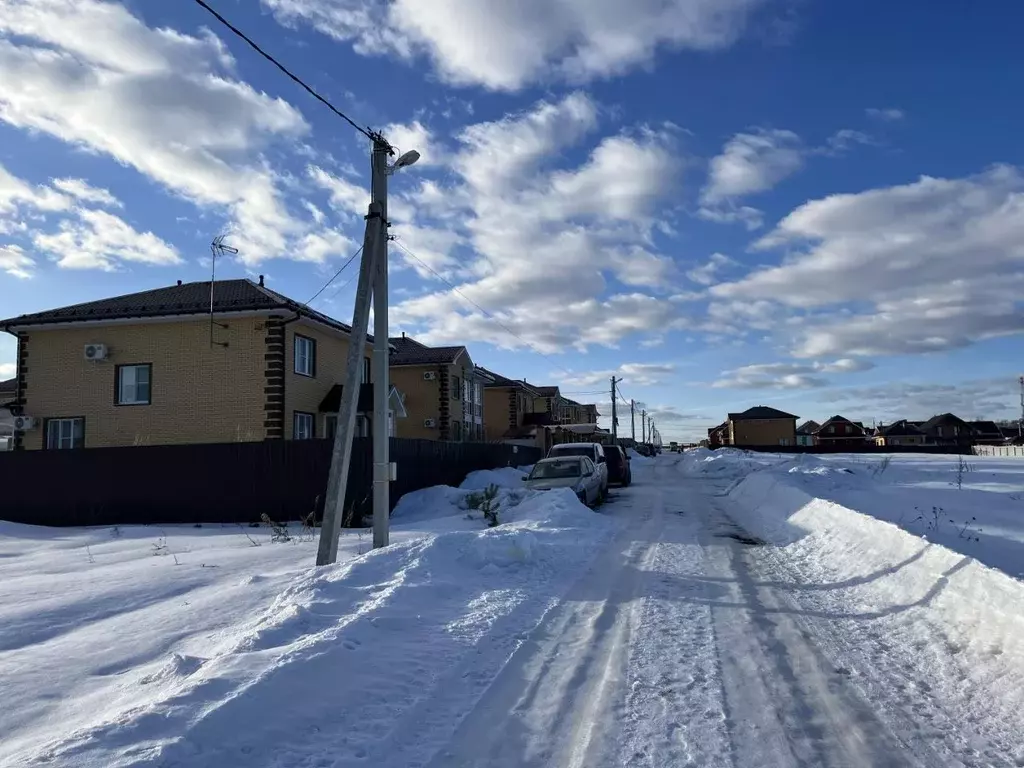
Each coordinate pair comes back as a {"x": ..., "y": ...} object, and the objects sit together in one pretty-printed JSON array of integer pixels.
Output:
[
  {"x": 25, "y": 423},
  {"x": 95, "y": 351},
  {"x": 429, "y": 423},
  {"x": 429, "y": 375}
]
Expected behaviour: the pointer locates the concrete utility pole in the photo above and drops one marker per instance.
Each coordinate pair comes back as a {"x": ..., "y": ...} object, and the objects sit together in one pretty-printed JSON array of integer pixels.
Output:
[
  {"x": 373, "y": 277},
  {"x": 615, "y": 413},
  {"x": 632, "y": 419}
]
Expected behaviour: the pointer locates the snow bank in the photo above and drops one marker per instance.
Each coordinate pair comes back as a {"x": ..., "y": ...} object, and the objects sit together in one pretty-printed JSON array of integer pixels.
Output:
[
  {"x": 183, "y": 646},
  {"x": 505, "y": 477},
  {"x": 963, "y": 619}
]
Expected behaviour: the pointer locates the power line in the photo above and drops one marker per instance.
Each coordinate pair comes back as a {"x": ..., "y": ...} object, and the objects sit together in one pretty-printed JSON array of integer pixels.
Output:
[
  {"x": 335, "y": 276},
  {"x": 284, "y": 69}
]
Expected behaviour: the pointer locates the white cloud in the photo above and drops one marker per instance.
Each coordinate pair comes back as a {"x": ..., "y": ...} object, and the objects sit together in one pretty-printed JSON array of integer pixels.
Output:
[
  {"x": 638, "y": 374},
  {"x": 707, "y": 274},
  {"x": 788, "y": 375},
  {"x": 8, "y": 370},
  {"x": 415, "y": 135},
  {"x": 345, "y": 195},
  {"x": 15, "y": 262},
  {"x": 887, "y": 115},
  {"x": 98, "y": 240},
  {"x": 937, "y": 261},
  {"x": 539, "y": 242},
  {"x": 91, "y": 74},
  {"x": 506, "y": 46},
  {"x": 15, "y": 192},
  {"x": 844, "y": 139},
  {"x": 85, "y": 192},
  {"x": 751, "y": 163},
  {"x": 993, "y": 398}
]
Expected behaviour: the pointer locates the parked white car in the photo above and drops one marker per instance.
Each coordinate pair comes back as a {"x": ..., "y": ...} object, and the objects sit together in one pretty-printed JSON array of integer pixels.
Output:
[
  {"x": 593, "y": 451},
  {"x": 576, "y": 472}
]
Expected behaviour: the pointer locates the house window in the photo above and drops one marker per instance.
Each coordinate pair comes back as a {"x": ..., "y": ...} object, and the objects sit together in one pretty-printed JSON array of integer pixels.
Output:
[
  {"x": 366, "y": 371},
  {"x": 362, "y": 426},
  {"x": 65, "y": 433},
  {"x": 456, "y": 387},
  {"x": 330, "y": 426},
  {"x": 133, "y": 384},
  {"x": 831, "y": 430},
  {"x": 456, "y": 430},
  {"x": 303, "y": 426},
  {"x": 305, "y": 356}
]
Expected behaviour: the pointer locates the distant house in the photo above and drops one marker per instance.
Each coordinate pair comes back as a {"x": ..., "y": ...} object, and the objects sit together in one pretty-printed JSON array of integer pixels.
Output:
[
  {"x": 947, "y": 429},
  {"x": 761, "y": 426},
  {"x": 717, "y": 435},
  {"x": 805, "y": 432},
  {"x": 442, "y": 394},
  {"x": 986, "y": 433},
  {"x": 840, "y": 431},
  {"x": 899, "y": 433},
  {"x": 507, "y": 402}
]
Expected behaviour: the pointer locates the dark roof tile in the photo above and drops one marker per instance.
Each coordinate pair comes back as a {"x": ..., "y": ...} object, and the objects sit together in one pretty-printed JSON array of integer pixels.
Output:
[
  {"x": 407, "y": 351},
  {"x": 185, "y": 299},
  {"x": 761, "y": 412}
]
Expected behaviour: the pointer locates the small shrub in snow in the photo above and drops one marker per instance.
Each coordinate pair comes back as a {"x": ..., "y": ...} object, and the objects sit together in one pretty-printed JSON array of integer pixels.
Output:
[
  {"x": 115, "y": 532},
  {"x": 160, "y": 547},
  {"x": 969, "y": 532},
  {"x": 88, "y": 554},
  {"x": 961, "y": 467},
  {"x": 278, "y": 531},
  {"x": 252, "y": 541},
  {"x": 485, "y": 501},
  {"x": 883, "y": 465}
]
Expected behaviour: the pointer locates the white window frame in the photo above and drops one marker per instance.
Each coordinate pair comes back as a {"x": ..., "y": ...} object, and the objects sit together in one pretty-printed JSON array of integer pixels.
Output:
[
  {"x": 304, "y": 363},
  {"x": 367, "y": 375},
  {"x": 61, "y": 436},
  {"x": 305, "y": 420},
  {"x": 127, "y": 392}
]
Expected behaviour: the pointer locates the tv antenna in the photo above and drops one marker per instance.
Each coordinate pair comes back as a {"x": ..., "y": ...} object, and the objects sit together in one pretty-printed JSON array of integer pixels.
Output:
[{"x": 217, "y": 248}]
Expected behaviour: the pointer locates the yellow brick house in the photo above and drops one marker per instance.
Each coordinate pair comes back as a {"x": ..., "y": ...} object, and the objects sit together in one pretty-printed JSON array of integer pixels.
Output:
[{"x": 158, "y": 367}]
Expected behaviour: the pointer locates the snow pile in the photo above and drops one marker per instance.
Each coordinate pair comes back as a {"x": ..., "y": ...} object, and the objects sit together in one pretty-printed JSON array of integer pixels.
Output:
[
  {"x": 974, "y": 506},
  {"x": 442, "y": 501},
  {"x": 505, "y": 477},
  {"x": 961, "y": 620},
  {"x": 207, "y": 647},
  {"x": 638, "y": 458}
]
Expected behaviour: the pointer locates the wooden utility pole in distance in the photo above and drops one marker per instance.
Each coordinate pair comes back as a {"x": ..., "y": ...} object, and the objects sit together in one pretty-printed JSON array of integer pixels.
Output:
[{"x": 632, "y": 419}]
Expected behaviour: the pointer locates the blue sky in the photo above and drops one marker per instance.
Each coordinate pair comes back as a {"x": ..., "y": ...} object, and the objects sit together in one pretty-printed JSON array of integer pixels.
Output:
[{"x": 811, "y": 205}]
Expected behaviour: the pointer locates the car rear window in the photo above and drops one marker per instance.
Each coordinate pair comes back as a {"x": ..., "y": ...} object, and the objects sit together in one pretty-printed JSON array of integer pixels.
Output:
[
  {"x": 550, "y": 470},
  {"x": 572, "y": 451}
]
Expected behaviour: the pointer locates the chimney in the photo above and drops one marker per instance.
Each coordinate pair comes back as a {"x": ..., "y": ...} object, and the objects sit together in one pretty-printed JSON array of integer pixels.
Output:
[
  {"x": 261, "y": 281},
  {"x": 403, "y": 334},
  {"x": 179, "y": 282}
]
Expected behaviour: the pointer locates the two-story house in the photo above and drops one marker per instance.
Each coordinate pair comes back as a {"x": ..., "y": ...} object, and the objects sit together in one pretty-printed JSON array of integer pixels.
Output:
[
  {"x": 760, "y": 426},
  {"x": 547, "y": 406},
  {"x": 507, "y": 403},
  {"x": 442, "y": 394},
  {"x": 840, "y": 431},
  {"x": 805, "y": 432},
  {"x": 189, "y": 363},
  {"x": 899, "y": 433},
  {"x": 947, "y": 429}
]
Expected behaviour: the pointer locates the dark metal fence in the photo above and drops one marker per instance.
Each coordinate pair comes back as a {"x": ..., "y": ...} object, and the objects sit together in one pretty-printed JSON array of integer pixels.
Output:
[{"x": 221, "y": 482}]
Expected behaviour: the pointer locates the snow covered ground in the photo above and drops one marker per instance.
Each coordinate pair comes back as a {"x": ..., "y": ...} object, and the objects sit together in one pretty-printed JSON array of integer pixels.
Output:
[{"x": 715, "y": 613}]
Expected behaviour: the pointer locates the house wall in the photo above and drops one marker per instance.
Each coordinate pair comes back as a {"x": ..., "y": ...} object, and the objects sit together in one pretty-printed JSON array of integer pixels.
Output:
[
  {"x": 897, "y": 440},
  {"x": 501, "y": 411},
  {"x": 422, "y": 400},
  {"x": 200, "y": 394},
  {"x": 763, "y": 432},
  {"x": 304, "y": 393}
]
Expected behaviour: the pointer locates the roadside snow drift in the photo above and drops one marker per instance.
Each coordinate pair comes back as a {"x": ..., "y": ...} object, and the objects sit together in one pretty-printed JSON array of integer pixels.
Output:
[
  {"x": 218, "y": 647},
  {"x": 960, "y": 620}
]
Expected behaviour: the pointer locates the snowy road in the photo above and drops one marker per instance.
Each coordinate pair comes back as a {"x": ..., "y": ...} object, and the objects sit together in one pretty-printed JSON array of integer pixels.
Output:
[{"x": 687, "y": 643}]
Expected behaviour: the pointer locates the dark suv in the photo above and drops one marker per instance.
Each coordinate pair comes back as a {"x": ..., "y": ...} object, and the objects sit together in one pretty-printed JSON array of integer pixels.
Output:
[{"x": 619, "y": 470}]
